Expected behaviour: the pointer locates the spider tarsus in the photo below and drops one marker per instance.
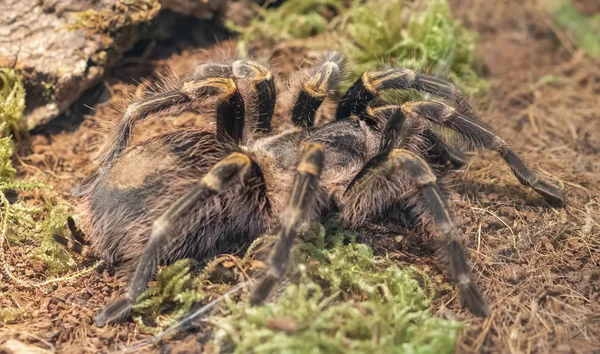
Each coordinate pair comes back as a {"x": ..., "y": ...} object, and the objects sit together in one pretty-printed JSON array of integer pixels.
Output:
[
  {"x": 472, "y": 299},
  {"x": 469, "y": 292},
  {"x": 115, "y": 312},
  {"x": 263, "y": 288},
  {"x": 323, "y": 80},
  {"x": 551, "y": 194}
]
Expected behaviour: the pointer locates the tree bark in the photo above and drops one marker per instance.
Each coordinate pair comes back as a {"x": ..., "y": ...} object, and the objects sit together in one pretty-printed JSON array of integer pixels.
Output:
[{"x": 61, "y": 52}]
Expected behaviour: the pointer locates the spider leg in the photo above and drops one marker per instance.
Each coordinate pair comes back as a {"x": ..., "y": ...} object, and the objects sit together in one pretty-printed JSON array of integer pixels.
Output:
[
  {"x": 323, "y": 80},
  {"x": 478, "y": 134},
  {"x": 419, "y": 171},
  {"x": 232, "y": 169},
  {"x": 379, "y": 117},
  {"x": 262, "y": 83},
  {"x": 301, "y": 201},
  {"x": 372, "y": 83},
  {"x": 230, "y": 109}
]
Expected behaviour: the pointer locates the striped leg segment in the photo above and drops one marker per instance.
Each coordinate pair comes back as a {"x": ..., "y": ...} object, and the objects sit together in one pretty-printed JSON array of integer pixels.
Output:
[
  {"x": 263, "y": 84},
  {"x": 232, "y": 169},
  {"x": 419, "y": 171},
  {"x": 322, "y": 81},
  {"x": 302, "y": 199},
  {"x": 379, "y": 119},
  {"x": 371, "y": 83},
  {"x": 77, "y": 242},
  {"x": 480, "y": 135},
  {"x": 230, "y": 110}
]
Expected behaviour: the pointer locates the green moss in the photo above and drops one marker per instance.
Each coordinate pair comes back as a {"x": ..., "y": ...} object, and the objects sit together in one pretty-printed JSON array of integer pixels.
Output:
[
  {"x": 345, "y": 300},
  {"x": 24, "y": 219},
  {"x": 12, "y": 100},
  {"x": 428, "y": 40},
  {"x": 293, "y": 19},
  {"x": 169, "y": 299},
  {"x": 585, "y": 29},
  {"x": 378, "y": 32}
]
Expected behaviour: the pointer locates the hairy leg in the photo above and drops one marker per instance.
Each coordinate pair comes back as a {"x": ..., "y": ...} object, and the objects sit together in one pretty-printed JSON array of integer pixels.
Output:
[
  {"x": 322, "y": 81},
  {"x": 396, "y": 161},
  {"x": 479, "y": 135},
  {"x": 235, "y": 168},
  {"x": 301, "y": 200}
]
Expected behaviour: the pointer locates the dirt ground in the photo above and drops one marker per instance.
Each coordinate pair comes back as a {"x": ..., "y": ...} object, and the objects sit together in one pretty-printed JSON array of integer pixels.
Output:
[{"x": 539, "y": 267}]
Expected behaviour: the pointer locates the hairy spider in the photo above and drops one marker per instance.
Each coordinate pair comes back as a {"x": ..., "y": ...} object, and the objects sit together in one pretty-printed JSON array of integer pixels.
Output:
[{"x": 192, "y": 192}]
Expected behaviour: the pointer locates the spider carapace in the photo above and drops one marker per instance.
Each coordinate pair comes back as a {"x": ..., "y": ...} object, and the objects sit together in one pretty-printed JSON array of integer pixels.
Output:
[{"x": 193, "y": 192}]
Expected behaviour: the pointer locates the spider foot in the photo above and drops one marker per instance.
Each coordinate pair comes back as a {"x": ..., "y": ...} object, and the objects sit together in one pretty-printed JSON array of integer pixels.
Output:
[
  {"x": 114, "y": 312},
  {"x": 262, "y": 290},
  {"x": 472, "y": 299},
  {"x": 552, "y": 194}
]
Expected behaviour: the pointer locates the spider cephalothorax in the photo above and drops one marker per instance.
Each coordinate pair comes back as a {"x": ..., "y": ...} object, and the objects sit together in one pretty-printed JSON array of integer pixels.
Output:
[{"x": 193, "y": 193}]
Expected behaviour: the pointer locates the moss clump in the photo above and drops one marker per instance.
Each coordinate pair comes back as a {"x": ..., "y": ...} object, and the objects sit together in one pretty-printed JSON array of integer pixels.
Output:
[
  {"x": 22, "y": 220},
  {"x": 346, "y": 300},
  {"x": 379, "y": 32},
  {"x": 125, "y": 13},
  {"x": 293, "y": 19},
  {"x": 428, "y": 40},
  {"x": 108, "y": 22},
  {"x": 585, "y": 29},
  {"x": 12, "y": 100},
  {"x": 172, "y": 297}
]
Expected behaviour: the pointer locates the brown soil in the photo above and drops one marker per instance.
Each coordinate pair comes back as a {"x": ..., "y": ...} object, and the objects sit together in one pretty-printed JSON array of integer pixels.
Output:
[{"x": 537, "y": 266}]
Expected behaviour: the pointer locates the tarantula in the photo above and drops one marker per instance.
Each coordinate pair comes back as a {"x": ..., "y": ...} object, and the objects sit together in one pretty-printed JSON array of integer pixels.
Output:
[{"x": 193, "y": 192}]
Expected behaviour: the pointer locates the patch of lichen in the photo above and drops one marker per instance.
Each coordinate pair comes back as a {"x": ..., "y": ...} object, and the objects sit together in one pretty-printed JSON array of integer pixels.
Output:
[
  {"x": 344, "y": 300},
  {"x": 107, "y": 22},
  {"x": 419, "y": 35}
]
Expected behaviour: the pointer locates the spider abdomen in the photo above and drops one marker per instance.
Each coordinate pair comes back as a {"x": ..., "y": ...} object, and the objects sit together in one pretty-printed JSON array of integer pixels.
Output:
[{"x": 145, "y": 180}]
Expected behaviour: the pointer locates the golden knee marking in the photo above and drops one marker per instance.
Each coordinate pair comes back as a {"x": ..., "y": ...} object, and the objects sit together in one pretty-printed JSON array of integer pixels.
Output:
[
  {"x": 213, "y": 181},
  {"x": 374, "y": 80},
  {"x": 407, "y": 157},
  {"x": 308, "y": 166},
  {"x": 317, "y": 86},
  {"x": 366, "y": 81},
  {"x": 443, "y": 112},
  {"x": 446, "y": 213},
  {"x": 379, "y": 82},
  {"x": 226, "y": 85},
  {"x": 259, "y": 72}
]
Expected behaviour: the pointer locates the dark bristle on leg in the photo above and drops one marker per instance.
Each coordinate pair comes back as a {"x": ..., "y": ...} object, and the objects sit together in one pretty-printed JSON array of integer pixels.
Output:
[
  {"x": 322, "y": 81},
  {"x": 69, "y": 244},
  {"x": 234, "y": 168},
  {"x": 372, "y": 83},
  {"x": 263, "y": 84},
  {"x": 419, "y": 171},
  {"x": 301, "y": 199},
  {"x": 230, "y": 110},
  {"x": 76, "y": 233},
  {"x": 425, "y": 179},
  {"x": 479, "y": 134}
]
